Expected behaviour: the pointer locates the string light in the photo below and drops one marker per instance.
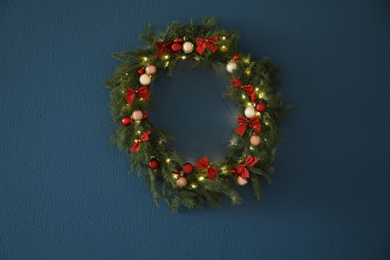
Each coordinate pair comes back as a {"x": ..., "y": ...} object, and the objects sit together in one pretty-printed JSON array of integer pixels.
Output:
[
  {"x": 223, "y": 37},
  {"x": 166, "y": 64},
  {"x": 197, "y": 58},
  {"x": 248, "y": 72},
  {"x": 174, "y": 176},
  {"x": 246, "y": 60},
  {"x": 194, "y": 186},
  {"x": 223, "y": 48},
  {"x": 201, "y": 178},
  {"x": 243, "y": 96},
  {"x": 261, "y": 94},
  {"x": 183, "y": 57},
  {"x": 168, "y": 160},
  {"x": 224, "y": 169},
  {"x": 251, "y": 148},
  {"x": 138, "y": 132},
  {"x": 166, "y": 56},
  {"x": 145, "y": 58}
]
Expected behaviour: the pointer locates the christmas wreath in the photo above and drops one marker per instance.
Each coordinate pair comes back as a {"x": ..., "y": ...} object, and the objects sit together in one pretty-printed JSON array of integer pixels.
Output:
[{"x": 252, "y": 86}]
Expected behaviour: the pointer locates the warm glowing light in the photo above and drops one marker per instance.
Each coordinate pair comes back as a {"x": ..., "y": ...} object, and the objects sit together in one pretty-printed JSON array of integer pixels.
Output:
[
  {"x": 243, "y": 96},
  {"x": 251, "y": 148},
  {"x": 194, "y": 186},
  {"x": 201, "y": 178},
  {"x": 257, "y": 89},
  {"x": 246, "y": 60},
  {"x": 197, "y": 58},
  {"x": 166, "y": 64},
  {"x": 175, "y": 176},
  {"x": 224, "y": 169},
  {"x": 248, "y": 72},
  {"x": 168, "y": 160},
  {"x": 137, "y": 122},
  {"x": 166, "y": 56},
  {"x": 261, "y": 94},
  {"x": 145, "y": 58},
  {"x": 127, "y": 74},
  {"x": 138, "y": 132},
  {"x": 224, "y": 48},
  {"x": 249, "y": 104},
  {"x": 141, "y": 99},
  {"x": 183, "y": 57},
  {"x": 258, "y": 114},
  {"x": 223, "y": 37}
]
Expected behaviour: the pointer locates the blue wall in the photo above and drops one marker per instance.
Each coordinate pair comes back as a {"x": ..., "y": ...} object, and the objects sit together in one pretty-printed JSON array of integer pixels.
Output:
[{"x": 66, "y": 194}]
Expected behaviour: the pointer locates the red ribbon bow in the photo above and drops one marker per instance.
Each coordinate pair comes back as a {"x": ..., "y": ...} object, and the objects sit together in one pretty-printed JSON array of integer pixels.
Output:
[
  {"x": 163, "y": 47},
  {"x": 144, "y": 137},
  {"x": 204, "y": 163},
  {"x": 204, "y": 43},
  {"x": 249, "y": 89},
  {"x": 142, "y": 93},
  {"x": 241, "y": 168},
  {"x": 243, "y": 121}
]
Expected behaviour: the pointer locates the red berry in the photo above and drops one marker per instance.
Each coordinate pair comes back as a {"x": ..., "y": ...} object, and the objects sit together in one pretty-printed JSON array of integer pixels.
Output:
[
  {"x": 261, "y": 107},
  {"x": 154, "y": 164},
  {"x": 126, "y": 120},
  {"x": 176, "y": 47},
  {"x": 141, "y": 71},
  {"x": 188, "y": 168},
  {"x": 234, "y": 171},
  {"x": 180, "y": 40},
  {"x": 176, "y": 171},
  {"x": 236, "y": 57}
]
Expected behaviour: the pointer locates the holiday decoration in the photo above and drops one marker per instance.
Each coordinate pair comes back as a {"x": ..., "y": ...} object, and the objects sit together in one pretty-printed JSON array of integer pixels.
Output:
[
  {"x": 255, "y": 140},
  {"x": 231, "y": 66},
  {"x": 181, "y": 182},
  {"x": 154, "y": 164},
  {"x": 252, "y": 86}
]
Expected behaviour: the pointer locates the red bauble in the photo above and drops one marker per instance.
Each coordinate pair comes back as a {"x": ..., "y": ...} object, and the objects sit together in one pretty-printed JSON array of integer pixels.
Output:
[
  {"x": 261, "y": 107},
  {"x": 141, "y": 71},
  {"x": 145, "y": 116},
  {"x": 154, "y": 164},
  {"x": 176, "y": 47},
  {"x": 176, "y": 171},
  {"x": 126, "y": 120},
  {"x": 180, "y": 40},
  {"x": 188, "y": 168},
  {"x": 236, "y": 57},
  {"x": 234, "y": 171}
]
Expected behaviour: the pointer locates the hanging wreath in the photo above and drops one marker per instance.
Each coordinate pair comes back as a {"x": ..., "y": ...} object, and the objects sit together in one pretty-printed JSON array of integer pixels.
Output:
[{"x": 253, "y": 87}]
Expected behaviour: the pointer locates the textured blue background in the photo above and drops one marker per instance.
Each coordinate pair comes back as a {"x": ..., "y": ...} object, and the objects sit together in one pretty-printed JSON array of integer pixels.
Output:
[{"x": 66, "y": 194}]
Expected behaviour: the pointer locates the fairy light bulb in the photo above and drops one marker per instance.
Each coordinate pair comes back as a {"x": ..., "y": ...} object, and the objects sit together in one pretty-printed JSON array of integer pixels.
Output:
[{"x": 201, "y": 178}]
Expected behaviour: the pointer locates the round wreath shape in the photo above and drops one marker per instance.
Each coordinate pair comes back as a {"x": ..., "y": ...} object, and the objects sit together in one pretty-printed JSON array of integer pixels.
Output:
[{"x": 252, "y": 86}]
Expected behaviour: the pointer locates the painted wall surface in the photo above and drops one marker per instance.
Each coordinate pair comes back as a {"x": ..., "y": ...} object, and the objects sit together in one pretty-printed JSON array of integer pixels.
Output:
[{"x": 65, "y": 194}]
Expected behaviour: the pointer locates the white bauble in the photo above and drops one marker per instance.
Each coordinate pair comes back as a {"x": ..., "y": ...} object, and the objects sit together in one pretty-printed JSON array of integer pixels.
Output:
[
  {"x": 145, "y": 79},
  {"x": 241, "y": 181},
  {"x": 150, "y": 69},
  {"x": 250, "y": 112},
  {"x": 231, "y": 66},
  {"x": 188, "y": 47}
]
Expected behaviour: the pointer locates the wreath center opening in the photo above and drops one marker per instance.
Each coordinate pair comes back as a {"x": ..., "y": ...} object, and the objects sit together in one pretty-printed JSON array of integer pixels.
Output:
[{"x": 190, "y": 106}]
